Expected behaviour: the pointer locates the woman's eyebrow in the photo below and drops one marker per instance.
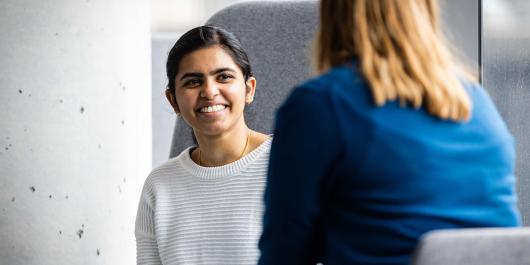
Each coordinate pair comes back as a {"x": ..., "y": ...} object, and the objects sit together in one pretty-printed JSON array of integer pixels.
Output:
[
  {"x": 214, "y": 72},
  {"x": 220, "y": 70},
  {"x": 191, "y": 75}
]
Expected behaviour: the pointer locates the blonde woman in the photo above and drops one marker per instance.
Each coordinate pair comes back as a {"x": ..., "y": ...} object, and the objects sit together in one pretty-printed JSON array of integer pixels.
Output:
[{"x": 392, "y": 140}]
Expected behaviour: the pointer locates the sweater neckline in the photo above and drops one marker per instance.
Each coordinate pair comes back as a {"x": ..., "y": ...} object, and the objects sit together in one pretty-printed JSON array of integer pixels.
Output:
[{"x": 211, "y": 173}]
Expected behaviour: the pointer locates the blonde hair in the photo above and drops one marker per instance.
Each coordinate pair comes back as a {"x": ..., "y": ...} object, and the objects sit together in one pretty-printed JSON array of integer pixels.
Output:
[{"x": 401, "y": 52}]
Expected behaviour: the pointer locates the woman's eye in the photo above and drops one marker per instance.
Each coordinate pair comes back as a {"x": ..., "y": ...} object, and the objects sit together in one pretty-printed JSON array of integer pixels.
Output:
[
  {"x": 192, "y": 83},
  {"x": 224, "y": 77}
]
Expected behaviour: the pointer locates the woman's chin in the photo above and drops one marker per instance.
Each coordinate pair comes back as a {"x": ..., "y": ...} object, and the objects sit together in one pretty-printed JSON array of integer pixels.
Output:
[{"x": 211, "y": 129}]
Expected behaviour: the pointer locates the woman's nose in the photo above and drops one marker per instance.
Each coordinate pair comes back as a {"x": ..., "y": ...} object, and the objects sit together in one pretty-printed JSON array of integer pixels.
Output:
[{"x": 209, "y": 90}]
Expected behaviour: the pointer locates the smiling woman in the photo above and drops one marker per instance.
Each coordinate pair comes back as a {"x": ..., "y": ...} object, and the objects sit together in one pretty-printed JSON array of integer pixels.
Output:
[
  {"x": 205, "y": 205},
  {"x": 211, "y": 93}
]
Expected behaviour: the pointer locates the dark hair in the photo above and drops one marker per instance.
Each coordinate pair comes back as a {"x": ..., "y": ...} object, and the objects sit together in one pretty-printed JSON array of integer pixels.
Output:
[{"x": 202, "y": 37}]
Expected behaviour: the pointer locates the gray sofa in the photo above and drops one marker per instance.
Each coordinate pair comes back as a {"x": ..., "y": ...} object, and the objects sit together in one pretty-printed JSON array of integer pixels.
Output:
[{"x": 480, "y": 246}]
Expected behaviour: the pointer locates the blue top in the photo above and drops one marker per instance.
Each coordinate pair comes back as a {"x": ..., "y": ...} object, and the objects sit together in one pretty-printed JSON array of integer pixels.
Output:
[{"x": 352, "y": 183}]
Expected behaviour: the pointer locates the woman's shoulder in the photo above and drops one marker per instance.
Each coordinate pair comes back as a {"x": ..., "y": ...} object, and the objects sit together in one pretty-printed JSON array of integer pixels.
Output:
[
  {"x": 342, "y": 82},
  {"x": 343, "y": 73},
  {"x": 479, "y": 96},
  {"x": 172, "y": 164},
  {"x": 262, "y": 145},
  {"x": 259, "y": 139},
  {"x": 167, "y": 170}
]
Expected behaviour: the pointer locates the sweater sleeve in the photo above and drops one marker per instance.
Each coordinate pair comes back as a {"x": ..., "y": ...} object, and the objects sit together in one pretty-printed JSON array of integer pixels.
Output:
[
  {"x": 146, "y": 245},
  {"x": 305, "y": 146}
]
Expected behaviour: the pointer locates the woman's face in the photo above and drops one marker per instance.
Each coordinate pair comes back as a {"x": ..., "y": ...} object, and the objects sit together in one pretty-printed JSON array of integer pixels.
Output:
[{"x": 211, "y": 91}]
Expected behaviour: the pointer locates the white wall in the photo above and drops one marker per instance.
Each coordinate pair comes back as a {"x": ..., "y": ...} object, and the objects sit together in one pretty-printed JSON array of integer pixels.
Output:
[
  {"x": 75, "y": 140},
  {"x": 182, "y": 15}
]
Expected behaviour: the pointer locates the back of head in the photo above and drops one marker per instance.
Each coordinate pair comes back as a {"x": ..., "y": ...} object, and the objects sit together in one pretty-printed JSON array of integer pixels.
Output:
[{"x": 401, "y": 52}]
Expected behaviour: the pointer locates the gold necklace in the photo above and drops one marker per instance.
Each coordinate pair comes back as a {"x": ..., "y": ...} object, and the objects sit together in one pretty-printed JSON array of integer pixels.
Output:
[{"x": 240, "y": 156}]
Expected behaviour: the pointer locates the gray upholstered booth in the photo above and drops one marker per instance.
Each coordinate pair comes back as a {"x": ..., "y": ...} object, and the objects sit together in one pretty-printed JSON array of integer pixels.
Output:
[
  {"x": 277, "y": 37},
  {"x": 493, "y": 246}
]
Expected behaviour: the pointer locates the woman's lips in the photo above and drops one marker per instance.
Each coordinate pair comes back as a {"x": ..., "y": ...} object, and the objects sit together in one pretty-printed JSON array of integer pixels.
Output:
[
  {"x": 212, "y": 108},
  {"x": 212, "y": 111}
]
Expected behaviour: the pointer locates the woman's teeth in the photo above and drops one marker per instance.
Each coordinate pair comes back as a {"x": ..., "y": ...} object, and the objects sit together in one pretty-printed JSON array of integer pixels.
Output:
[{"x": 213, "y": 108}]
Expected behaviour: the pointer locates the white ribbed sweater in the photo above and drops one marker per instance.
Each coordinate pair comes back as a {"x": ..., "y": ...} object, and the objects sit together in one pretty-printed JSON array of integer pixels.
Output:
[{"x": 190, "y": 214}]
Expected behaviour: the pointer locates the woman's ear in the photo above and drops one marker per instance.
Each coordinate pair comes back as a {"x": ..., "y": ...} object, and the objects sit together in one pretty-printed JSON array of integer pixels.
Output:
[
  {"x": 251, "y": 89},
  {"x": 171, "y": 98}
]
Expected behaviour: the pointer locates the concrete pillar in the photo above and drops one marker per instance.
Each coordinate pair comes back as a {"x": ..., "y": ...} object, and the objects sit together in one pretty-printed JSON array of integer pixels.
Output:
[{"x": 74, "y": 129}]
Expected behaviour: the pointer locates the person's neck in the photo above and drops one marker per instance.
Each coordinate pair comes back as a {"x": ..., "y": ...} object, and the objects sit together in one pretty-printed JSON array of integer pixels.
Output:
[{"x": 222, "y": 149}]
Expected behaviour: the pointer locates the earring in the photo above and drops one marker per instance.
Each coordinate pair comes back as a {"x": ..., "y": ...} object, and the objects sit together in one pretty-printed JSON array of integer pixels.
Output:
[{"x": 249, "y": 99}]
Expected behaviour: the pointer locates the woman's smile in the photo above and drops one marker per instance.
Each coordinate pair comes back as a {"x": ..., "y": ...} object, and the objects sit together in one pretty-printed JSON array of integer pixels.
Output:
[
  {"x": 211, "y": 112},
  {"x": 212, "y": 108}
]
